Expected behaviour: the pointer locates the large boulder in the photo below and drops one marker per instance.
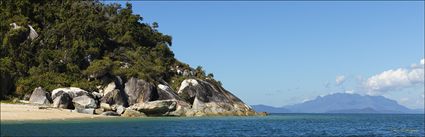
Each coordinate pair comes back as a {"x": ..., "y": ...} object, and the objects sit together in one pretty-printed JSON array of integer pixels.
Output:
[
  {"x": 72, "y": 91},
  {"x": 63, "y": 101},
  {"x": 115, "y": 97},
  {"x": 40, "y": 97},
  {"x": 84, "y": 102},
  {"x": 132, "y": 113},
  {"x": 138, "y": 90},
  {"x": 159, "y": 107},
  {"x": 209, "y": 98}
]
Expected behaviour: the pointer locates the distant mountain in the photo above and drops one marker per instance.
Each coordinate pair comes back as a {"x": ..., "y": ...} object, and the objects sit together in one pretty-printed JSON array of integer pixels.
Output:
[
  {"x": 269, "y": 109},
  {"x": 349, "y": 102},
  {"x": 363, "y": 110},
  {"x": 342, "y": 103}
]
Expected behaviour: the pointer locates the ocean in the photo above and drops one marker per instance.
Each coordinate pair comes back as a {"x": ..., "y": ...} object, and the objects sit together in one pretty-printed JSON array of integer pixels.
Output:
[{"x": 272, "y": 125}]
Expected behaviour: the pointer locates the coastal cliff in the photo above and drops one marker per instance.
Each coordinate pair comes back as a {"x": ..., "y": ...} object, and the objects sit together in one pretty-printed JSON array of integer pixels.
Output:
[{"x": 140, "y": 98}]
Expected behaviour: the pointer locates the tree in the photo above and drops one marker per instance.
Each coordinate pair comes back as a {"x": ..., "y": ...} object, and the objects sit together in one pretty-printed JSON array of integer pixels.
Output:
[{"x": 97, "y": 39}]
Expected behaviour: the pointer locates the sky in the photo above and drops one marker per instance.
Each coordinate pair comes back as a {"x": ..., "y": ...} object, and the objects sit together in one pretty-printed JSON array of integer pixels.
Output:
[{"x": 281, "y": 52}]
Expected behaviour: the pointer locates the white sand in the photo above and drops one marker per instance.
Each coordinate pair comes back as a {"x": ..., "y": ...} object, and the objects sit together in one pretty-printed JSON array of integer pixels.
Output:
[{"x": 29, "y": 112}]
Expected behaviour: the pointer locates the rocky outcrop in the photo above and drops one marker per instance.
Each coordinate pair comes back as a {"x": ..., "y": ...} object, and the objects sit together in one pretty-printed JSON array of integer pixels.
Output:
[
  {"x": 40, "y": 97},
  {"x": 73, "y": 97},
  {"x": 139, "y": 98},
  {"x": 209, "y": 98},
  {"x": 33, "y": 34},
  {"x": 138, "y": 90}
]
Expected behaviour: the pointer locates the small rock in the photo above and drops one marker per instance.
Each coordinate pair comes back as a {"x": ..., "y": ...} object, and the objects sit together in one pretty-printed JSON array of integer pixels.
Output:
[
  {"x": 84, "y": 110},
  {"x": 15, "y": 100},
  {"x": 27, "y": 97},
  {"x": 43, "y": 107},
  {"x": 120, "y": 109},
  {"x": 105, "y": 106},
  {"x": 110, "y": 113},
  {"x": 99, "y": 111},
  {"x": 263, "y": 113},
  {"x": 24, "y": 101}
]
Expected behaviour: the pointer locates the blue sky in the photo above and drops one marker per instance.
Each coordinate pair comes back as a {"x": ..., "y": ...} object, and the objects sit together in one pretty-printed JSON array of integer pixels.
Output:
[{"x": 280, "y": 53}]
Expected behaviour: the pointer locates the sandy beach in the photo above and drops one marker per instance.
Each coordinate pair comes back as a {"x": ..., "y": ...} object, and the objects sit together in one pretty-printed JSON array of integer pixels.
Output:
[{"x": 20, "y": 112}]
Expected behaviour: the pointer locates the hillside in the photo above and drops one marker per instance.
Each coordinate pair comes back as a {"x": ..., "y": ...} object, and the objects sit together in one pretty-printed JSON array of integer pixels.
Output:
[
  {"x": 82, "y": 44},
  {"x": 98, "y": 58},
  {"x": 342, "y": 103}
]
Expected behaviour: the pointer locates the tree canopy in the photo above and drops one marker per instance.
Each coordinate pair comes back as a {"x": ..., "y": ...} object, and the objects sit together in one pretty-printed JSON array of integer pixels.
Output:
[{"x": 78, "y": 42}]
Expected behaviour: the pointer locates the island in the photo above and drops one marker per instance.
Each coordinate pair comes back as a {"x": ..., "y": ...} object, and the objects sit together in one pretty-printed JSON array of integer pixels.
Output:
[{"x": 94, "y": 58}]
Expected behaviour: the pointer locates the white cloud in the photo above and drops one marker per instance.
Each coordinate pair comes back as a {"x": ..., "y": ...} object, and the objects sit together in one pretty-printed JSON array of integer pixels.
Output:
[
  {"x": 396, "y": 79},
  {"x": 340, "y": 79},
  {"x": 422, "y": 61}
]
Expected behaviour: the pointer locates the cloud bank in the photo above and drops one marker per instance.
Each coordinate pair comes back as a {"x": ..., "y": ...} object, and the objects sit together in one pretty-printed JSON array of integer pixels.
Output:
[{"x": 396, "y": 79}]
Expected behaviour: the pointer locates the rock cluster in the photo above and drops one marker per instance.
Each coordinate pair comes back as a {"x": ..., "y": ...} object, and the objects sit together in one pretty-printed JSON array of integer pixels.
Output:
[{"x": 139, "y": 98}]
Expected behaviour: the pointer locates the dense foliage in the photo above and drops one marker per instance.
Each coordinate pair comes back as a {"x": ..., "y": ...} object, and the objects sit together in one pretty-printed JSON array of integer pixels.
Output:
[{"x": 79, "y": 42}]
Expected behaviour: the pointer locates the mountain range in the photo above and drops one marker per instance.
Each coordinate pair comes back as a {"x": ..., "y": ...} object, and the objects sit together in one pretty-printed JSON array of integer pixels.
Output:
[{"x": 342, "y": 103}]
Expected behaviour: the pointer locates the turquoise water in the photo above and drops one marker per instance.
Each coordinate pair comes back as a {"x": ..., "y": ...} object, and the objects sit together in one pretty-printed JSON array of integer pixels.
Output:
[{"x": 273, "y": 125}]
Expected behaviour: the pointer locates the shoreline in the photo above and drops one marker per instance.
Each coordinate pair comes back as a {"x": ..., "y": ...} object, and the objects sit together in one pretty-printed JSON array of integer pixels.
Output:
[{"x": 27, "y": 112}]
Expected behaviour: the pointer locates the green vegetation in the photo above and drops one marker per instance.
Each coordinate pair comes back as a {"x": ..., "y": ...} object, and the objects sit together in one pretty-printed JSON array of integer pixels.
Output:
[{"x": 80, "y": 43}]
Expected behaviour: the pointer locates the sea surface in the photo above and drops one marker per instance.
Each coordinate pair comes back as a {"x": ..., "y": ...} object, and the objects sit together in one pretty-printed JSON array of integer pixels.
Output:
[{"x": 272, "y": 125}]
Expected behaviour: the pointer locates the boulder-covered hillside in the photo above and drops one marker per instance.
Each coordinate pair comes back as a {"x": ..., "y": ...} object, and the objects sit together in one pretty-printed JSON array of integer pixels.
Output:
[{"x": 87, "y": 55}]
